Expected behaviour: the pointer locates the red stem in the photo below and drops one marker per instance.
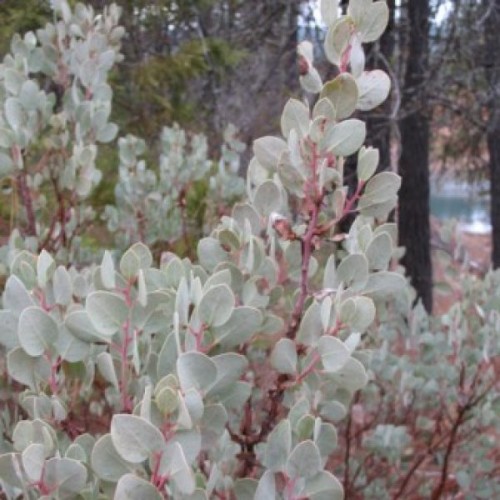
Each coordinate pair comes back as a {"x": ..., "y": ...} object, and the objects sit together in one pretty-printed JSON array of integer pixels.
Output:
[
  {"x": 315, "y": 199},
  {"x": 126, "y": 403},
  {"x": 309, "y": 368},
  {"x": 27, "y": 201},
  {"x": 53, "y": 382},
  {"x": 123, "y": 350},
  {"x": 344, "y": 61}
]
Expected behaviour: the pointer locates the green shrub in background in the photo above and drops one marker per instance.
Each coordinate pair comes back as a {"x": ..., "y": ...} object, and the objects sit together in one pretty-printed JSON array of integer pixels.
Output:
[
  {"x": 162, "y": 208},
  {"x": 55, "y": 112},
  {"x": 224, "y": 376}
]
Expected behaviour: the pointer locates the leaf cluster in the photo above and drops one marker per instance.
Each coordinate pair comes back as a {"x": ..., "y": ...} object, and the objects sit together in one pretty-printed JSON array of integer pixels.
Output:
[{"x": 219, "y": 376}]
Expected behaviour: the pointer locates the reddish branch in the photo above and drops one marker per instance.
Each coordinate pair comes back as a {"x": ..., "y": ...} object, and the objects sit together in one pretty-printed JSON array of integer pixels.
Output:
[
  {"x": 27, "y": 201},
  {"x": 307, "y": 248},
  {"x": 347, "y": 456},
  {"x": 247, "y": 438},
  {"x": 314, "y": 200}
]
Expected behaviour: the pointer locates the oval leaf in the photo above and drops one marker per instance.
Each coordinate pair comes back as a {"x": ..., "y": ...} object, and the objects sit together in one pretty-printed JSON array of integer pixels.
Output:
[
  {"x": 107, "y": 312},
  {"x": 37, "y": 331},
  {"x": 134, "y": 438}
]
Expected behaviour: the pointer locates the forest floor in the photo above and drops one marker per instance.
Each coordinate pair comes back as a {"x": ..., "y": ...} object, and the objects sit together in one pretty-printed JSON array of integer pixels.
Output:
[{"x": 469, "y": 252}]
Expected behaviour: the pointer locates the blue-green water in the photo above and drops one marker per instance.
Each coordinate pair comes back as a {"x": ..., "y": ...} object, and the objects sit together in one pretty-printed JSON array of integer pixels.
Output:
[
  {"x": 469, "y": 205},
  {"x": 464, "y": 209}
]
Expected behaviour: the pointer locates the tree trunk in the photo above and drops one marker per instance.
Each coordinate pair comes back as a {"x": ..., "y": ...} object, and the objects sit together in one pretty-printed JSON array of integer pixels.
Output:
[
  {"x": 414, "y": 223},
  {"x": 492, "y": 58}
]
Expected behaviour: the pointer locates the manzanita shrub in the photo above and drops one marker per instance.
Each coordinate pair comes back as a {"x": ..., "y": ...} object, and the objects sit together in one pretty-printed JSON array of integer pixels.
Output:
[
  {"x": 158, "y": 209},
  {"x": 218, "y": 378},
  {"x": 56, "y": 105},
  {"x": 428, "y": 423}
]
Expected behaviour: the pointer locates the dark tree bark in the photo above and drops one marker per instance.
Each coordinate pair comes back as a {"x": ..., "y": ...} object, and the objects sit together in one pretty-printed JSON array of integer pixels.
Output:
[
  {"x": 492, "y": 58},
  {"x": 414, "y": 223}
]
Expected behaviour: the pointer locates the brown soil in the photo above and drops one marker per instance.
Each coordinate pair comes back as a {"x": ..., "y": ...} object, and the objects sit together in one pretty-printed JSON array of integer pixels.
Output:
[{"x": 469, "y": 253}]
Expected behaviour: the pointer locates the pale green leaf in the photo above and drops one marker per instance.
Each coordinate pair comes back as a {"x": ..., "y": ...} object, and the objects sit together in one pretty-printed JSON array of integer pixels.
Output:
[
  {"x": 63, "y": 286},
  {"x": 284, "y": 357},
  {"x": 342, "y": 92},
  {"x": 230, "y": 368},
  {"x": 374, "y": 87},
  {"x": 107, "y": 312},
  {"x": 33, "y": 460},
  {"x": 26, "y": 369},
  {"x": 107, "y": 368},
  {"x": 352, "y": 376},
  {"x": 323, "y": 486},
  {"x": 241, "y": 326},
  {"x": 11, "y": 470},
  {"x": 371, "y": 23},
  {"x": 325, "y": 437},
  {"x": 137, "y": 257},
  {"x": 311, "y": 81},
  {"x": 344, "y": 138},
  {"x": 368, "y": 159},
  {"x": 108, "y": 271},
  {"x": 334, "y": 354},
  {"x": 45, "y": 267},
  {"x": 197, "y": 370},
  {"x": 69, "y": 475},
  {"x": 245, "y": 488},
  {"x": 267, "y": 198},
  {"x": 266, "y": 489},
  {"x": 384, "y": 285},
  {"x": 216, "y": 306},
  {"x": 210, "y": 253},
  {"x": 311, "y": 326},
  {"x": 71, "y": 348},
  {"x": 379, "y": 251},
  {"x": 268, "y": 151},
  {"x": 132, "y": 487},
  {"x": 16, "y": 297},
  {"x": 304, "y": 460},
  {"x": 278, "y": 447},
  {"x": 134, "y": 438},
  {"x": 37, "y": 331},
  {"x": 352, "y": 272},
  {"x": 295, "y": 117},
  {"x": 338, "y": 38},
  {"x": 79, "y": 324},
  {"x": 106, "y": 462},
  {"x": 29, "y": 95},
  {"x": 179, "y": 470},
  {"x": 358, "y": 313}
]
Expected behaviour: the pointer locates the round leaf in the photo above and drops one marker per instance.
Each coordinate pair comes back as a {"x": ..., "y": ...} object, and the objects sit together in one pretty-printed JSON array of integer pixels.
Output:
[
  {"x": 37, "y": 331},
  {"x": 342, "y": 92},
  {"x": 304, "y": 461},
  {"x": 106, "y": 461},
  {"x": 132, "y": 487},
  {"x": 284, "y": 356},
  {"x": 107, "y": 312},
  {"x": 196, "y": 370},
  {"x": 344, "y": 138},
  {"x": 134, "y": 438},
  {"x": 374, "y": 87},
  {"x": 267, "y": 198},
  {"x": 216, "y": 305},
  {"x": 334, "y": 354}
]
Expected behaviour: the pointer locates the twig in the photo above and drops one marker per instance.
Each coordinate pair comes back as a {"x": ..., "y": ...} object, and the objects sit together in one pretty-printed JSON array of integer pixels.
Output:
[{"x": 27, "y": 201}]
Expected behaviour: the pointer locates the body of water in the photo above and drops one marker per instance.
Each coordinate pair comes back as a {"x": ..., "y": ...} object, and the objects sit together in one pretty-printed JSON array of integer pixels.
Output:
[{"x": 468, "y": 204}]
